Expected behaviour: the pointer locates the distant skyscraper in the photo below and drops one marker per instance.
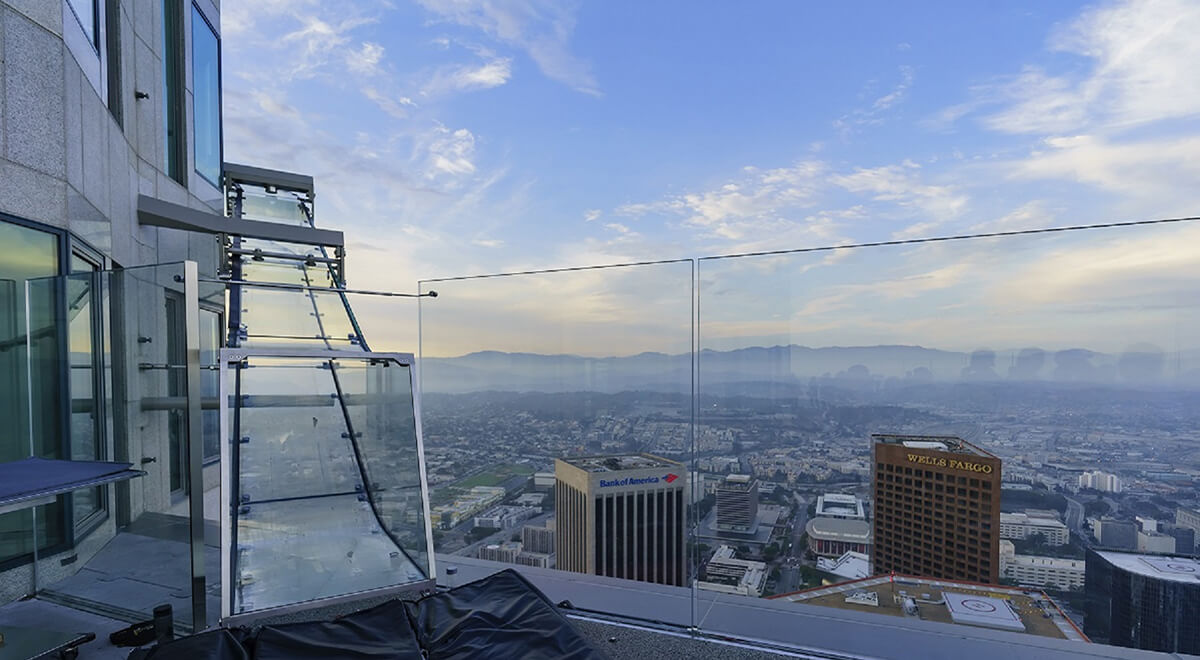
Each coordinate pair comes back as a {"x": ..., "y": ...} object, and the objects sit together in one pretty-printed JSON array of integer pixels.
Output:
[
  {"x": 1147, "y": 602},
  {"x": 737, "y": 503},
  {"x": 937, "y": 508},
  {"x": 621, "y": 516}
]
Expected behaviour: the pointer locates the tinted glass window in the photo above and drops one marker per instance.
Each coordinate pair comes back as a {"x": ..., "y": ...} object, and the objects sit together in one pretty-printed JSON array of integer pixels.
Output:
[{"x": 206, "y": 99}]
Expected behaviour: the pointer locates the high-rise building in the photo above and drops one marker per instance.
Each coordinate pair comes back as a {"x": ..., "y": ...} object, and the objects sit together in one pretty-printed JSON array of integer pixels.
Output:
[
  {"x": 621, "y": 516},
  {"x": 1102, "y": 481},
  {"x": 538, "y": 539},
  {"x": 937, "y": 508},
  {"x": 737, "y": 503},
  {"x": 1147, "y": 602}
]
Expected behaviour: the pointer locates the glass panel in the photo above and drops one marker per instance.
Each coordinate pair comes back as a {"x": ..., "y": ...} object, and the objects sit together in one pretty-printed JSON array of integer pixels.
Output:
[
  {"x": 29, "y": 254},
  {"x": 1055, "y": 352},
  {"x": 327, "y": 486},
  {"x": 85, "y": 13},
  {"x": 128, "y": 565},
  {"x": 210, "y": 380},
  {"x": 83, "y": 330},
  {"x": 206, "y": 99},
  {"x": 557, "y": 416},
  {"x": 272, "y": 207}
]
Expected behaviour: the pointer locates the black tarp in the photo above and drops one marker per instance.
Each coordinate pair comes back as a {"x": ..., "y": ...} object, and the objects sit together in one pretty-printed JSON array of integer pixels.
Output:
[{"x": 501, "y": 616}]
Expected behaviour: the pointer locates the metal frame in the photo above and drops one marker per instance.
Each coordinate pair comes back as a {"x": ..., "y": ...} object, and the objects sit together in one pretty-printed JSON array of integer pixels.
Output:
[
  {"x": 157, "y": 213},
  {"x": 230, "y": 356}
]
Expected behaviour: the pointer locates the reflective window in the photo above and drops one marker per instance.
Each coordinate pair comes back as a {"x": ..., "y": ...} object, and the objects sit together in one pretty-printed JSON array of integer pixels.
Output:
[
  {"x": 86, "y": 12},
  {"x": 174, "y": 148},
  {"x": 28, "y": 253},
  {"x": 206, "y": 98}
]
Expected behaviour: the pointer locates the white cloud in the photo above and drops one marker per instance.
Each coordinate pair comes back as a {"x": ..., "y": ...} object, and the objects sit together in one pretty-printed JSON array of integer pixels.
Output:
[
  {"x": 541, "y": 28},
  {"x": 396, "y": 107},
  {"x": 591, "y": 214},
  {"x": 872, "y": 115},
  {"x": 366, "y": 59},
  {"x": 1141, "y": 55},
  {"x": 466, "y": 78},
  {"x": 451, "y": 153},
  {"x": 902, "y": 185}
]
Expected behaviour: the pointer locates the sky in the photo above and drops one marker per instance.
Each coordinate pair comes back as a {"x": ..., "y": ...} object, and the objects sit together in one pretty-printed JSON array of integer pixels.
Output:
[{"x": 465, "y": 137}]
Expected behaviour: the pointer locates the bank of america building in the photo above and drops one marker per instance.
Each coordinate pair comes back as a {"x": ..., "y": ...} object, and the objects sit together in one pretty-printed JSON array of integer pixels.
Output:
[{"x": 621, "y": 516}]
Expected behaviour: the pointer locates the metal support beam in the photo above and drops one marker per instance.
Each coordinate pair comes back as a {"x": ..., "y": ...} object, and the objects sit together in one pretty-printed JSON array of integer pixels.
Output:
[
  {"x": 264, "y": 177},
  {"x": 157, "y": 213},
  {"x": 195, "y": 443}
]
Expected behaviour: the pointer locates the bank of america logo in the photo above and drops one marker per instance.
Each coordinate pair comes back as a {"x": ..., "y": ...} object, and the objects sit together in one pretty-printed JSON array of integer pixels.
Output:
[{"x": 670, "y": 478}]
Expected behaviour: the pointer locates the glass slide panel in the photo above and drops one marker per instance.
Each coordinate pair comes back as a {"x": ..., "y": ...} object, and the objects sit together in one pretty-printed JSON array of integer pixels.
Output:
[
  {"x": 326, "y": 480},
  {"x": 140, "y": 556},
  {"x": 527, "y": 375},
  {"x": 1056, "y": 352}
]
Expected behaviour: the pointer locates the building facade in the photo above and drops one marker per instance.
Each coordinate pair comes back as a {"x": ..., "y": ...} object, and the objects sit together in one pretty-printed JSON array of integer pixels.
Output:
[
  {"x": 1053, "y": 572},
  {"x": 937, "y": 508},
  {"x": 1116, "y": 534},
  {"x": 839, "y": 505},
  {"x": 1189, "y": 519},
  {"x": 728, "y": 574},
  {"x": 737, "y": 503},
  {"x": 538, "y": 539},
  {"x": 100, "y": 101},
  {"x": 1147, "y": 602},
  {"x": 1102, "y": 481},
  {"x": 834, "y": 537},
  {"x": 621, "y": 516},
  {"x": 1021, "y": 526}
]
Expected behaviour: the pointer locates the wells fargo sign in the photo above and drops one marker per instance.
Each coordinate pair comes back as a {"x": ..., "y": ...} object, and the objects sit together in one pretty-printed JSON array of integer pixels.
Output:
[{"x": 952, "y": 463}]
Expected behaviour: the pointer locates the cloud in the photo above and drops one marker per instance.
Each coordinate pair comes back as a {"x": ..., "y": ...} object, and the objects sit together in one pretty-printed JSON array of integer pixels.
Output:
[
  {"x": 901, "y": 185},
  {"x": 1140, "y": 56},
  {"x": 541, "y": 28},
  {"x": 451, "y": 152},
  {"x": 396, "y": 107},
  {"x": 591, "y": 214},
  {"x": 872, "y": 114},
  {"x": 366, "y": 59},
  {"x": 467, "y": 78}
]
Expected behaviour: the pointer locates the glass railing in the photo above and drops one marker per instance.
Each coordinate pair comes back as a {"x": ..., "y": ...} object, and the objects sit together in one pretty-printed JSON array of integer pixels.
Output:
[
  {"x": 526, "y": 377},
  {"x": 1055, "y": 353},
  {"x": 124, "y": 337}
]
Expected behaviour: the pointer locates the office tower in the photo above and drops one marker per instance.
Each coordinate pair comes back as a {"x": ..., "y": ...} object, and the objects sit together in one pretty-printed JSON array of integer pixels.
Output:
[
  {"x": 737, "y": 503},
  {"x": 621, "y": 516},
  {"x": 538, "y": 539},
  {"x": 1117, "y": 534},
  {"x": 937, "y": 508},
  {"x": 1147, "y": 602}
]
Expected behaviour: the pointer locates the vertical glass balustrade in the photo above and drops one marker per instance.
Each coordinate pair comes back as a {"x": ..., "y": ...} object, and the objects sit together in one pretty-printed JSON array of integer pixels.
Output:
[
  {"x": 127, "y": 336},
  {"x": 1059, "y": 352},
  {"x": 525, "y": 375}
]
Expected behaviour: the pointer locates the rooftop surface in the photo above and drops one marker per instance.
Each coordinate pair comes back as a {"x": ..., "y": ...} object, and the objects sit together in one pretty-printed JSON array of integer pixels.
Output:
[
  {"x": 737, "y": 482},
  {"x": 619, "y": 463},
  {"x": 949, "y": 443},
  {"x": 840, "y": 529},
  {"x": 935, "y": 599},
  {"x": 1162, "y": 567}
]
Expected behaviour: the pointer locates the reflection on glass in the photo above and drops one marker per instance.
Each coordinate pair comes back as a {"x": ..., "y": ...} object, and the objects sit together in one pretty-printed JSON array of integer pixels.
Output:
[
  {"x": 206, "y": 98},
  {"x": 31, "y": 254},
  {"x": 83, "y": 328},
  {"x": 85, "y": 13},
  {"x": 326, "y": 481},
  {"x": 523, "y": 378}
]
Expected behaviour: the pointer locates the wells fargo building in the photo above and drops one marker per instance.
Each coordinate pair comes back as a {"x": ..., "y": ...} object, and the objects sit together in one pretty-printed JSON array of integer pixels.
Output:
[
  {"x": 621, "y": 516},
  {"x": 937, "y": 508}
]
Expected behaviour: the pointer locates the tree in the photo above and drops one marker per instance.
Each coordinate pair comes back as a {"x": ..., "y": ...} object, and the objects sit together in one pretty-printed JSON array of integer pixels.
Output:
[
  {"x": 480, "y": 533},
  {"x": 771, "y": 551},
  {"x": 1096, "y": 507}
]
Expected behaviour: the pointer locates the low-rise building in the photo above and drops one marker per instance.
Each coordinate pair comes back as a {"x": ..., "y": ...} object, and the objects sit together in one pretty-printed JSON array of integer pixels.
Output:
[
  {"x": 839, "y": 505},
  {"x": 1155, "y": 542},
  {"x": 1053, "y": 572},
  {"x": 851, "y": 565},
  {"x": 505, "y": 517},
  {"x": 728, "y": 574},
  {"x": 1021, "y": 526},
  {"x": 833, "y": 537},
  {"x": 1102, "y": 481},
  {"x": 1116, "y": 534}
]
